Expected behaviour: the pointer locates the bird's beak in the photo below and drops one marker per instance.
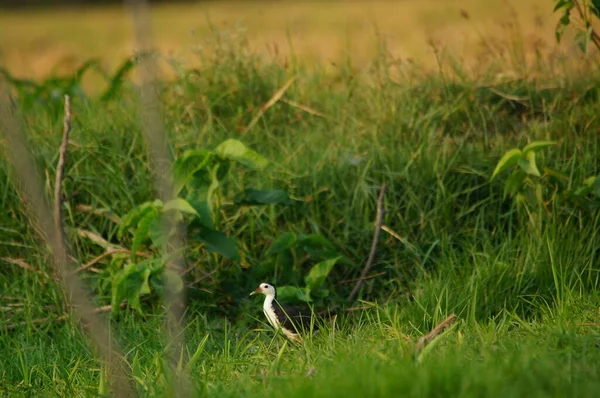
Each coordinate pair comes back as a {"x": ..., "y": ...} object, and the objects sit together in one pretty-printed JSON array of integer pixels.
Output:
[{"x": 258, "y": 290}]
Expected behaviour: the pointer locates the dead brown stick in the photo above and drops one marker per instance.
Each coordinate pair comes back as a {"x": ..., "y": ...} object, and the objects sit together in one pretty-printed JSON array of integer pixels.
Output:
[
  {"x": 423, "y": 341},
  {"x": 100, "y": 258},
  {"x": 60, "y": 171},
  {"x": 23, "y": 264},
  {"x": 62, "y": 318},
  {"x": 118, "y": 250},
  {"x": 272, "y": 101},
  {"x": 23, "y": 167},
  {"x": 99, "y": 212},
  {"x": 378, "y": 223}
]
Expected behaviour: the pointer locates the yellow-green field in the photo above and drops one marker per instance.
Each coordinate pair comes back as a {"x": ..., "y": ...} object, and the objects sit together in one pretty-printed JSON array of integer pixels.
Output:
[{"x": 37, "y": 43}]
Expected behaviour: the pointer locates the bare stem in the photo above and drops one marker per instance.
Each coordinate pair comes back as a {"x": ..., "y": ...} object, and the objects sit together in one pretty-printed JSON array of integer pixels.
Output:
[
  {"x": 423, "y": 341},
  {"x": 378, "y": 223},
  {"x": 60, "y": 170}
]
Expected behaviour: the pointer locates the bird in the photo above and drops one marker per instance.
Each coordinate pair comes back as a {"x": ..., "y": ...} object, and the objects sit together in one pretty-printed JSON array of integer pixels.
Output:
[{"x": 290, "y": 319}]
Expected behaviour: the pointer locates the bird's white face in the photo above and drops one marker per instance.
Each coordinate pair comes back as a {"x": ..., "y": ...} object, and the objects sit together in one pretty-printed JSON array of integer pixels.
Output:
[{"x": 264, "y": 288}]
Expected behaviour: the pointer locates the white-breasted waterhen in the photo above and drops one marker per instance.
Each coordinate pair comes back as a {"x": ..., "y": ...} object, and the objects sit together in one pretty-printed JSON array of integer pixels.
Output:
[{"x": 291, "y": 320}]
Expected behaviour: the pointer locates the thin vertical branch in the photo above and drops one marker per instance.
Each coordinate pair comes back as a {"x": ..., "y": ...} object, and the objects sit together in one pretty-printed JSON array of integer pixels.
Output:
[
  {"x": 60, "y": 170},
  {"x": 23, "y": 166},
  {"x": 156, "y": 139},
  {"x": 378, "y": 223}
]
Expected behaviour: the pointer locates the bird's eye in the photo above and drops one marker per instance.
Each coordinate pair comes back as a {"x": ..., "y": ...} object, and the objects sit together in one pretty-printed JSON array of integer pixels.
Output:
[{"x": 265, "y": 286}]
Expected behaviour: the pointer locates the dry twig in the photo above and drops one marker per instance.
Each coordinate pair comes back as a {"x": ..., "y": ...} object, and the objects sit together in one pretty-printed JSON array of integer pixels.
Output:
[
  {"x": 62, "y": 318},
  {"x": 378, "y": 223},
  {"x": 23, "y": 264},
  {"x": 423, "y": 341},
  {"x": 99, "y": 212},
  {"x": 272, "y": 101},
  {"x": 118, "y": 250},
  {"x": 60, "y": 171}
]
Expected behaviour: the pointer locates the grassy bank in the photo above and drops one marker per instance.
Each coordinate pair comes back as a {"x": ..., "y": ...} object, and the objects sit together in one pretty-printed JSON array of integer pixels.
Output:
[{"x": 521, "y": 273}]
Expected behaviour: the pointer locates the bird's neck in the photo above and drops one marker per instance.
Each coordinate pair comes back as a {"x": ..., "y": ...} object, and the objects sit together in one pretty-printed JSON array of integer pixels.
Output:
[
  {"x": 269, "y": 310},
  {"x": 268, "y": 302}
]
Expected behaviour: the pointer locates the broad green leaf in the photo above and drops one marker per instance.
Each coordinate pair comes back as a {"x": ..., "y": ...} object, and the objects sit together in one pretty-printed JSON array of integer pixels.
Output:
[
  {"x": 181, "y": 205},
  {"x": 133, "y": 217},
  {"x": 527, "y": 163},
  {"x": 319, "y": 272},
  {"x": 283, "y": 242},
  {"x": 158, "y": 235},
  {"x": 514, "y": 183},
  {"x": 184, "y": 167},
  {"x": 561, "y": 3},
  {"x": 130, "y": 283},
  {"x": 218, "y": 242},
  {"x": 508, "y": 160},
  {"x": 200, "y": 192},
  {"x": 293, "y": 293},
  {"x": 141, "y": 233},
  {"x": 265, "y": 197},
  {"x": 237, "y": 151},
  {"x": 304, "y": 295},
  {"x": 537, "y": 146},
  {"x": 224, "y": 165}
]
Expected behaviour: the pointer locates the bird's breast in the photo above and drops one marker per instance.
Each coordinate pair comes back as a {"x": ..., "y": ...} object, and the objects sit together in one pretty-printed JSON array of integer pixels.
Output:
[{"x": 271, "y": 316}]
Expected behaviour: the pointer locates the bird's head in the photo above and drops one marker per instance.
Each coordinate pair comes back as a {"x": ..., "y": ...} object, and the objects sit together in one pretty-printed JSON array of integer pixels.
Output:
[{"x": 265, "y": 288}]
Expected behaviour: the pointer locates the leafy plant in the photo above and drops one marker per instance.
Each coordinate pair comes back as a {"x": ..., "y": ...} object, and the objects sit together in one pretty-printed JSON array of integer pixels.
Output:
[
  {"x": 528, "y": 185},
  {"x": 525, "y": 172},
  {"x": 286, "y": 255},
  {"x": 588, "y": 12},
  {"x": 134, "y": 280},
  {"x": 197, "y": 176}
]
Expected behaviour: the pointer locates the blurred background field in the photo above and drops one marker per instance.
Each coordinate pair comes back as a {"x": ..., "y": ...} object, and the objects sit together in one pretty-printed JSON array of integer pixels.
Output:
[{"x": 37, "y": 42}]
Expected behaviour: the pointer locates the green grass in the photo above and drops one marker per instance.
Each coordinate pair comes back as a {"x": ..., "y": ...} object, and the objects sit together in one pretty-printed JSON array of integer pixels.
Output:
[{"x": 525, "y": 288}]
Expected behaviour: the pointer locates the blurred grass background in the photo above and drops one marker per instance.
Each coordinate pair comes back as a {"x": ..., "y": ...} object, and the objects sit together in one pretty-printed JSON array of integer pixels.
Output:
[{"x": 39, "y": 42}]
